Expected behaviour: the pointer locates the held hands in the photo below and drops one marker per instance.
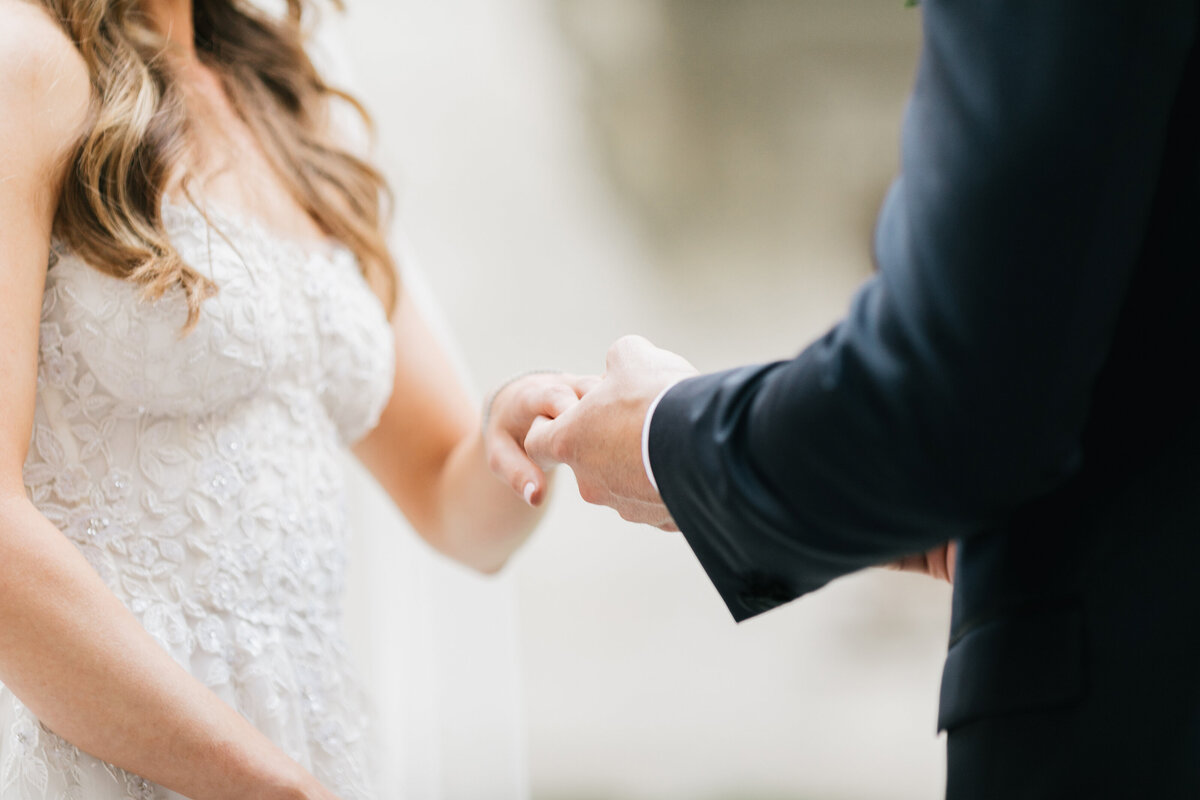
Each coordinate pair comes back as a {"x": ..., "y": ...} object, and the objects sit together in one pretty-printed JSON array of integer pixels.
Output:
[
  {"x": 594, "y": 425},
  {"x": 600, "y": 436},
  {"x": 507, "y": 419}
]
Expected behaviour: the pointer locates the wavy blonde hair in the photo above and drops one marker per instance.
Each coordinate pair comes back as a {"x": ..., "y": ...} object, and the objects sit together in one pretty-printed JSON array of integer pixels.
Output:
[{"x": 110, "y": 209}]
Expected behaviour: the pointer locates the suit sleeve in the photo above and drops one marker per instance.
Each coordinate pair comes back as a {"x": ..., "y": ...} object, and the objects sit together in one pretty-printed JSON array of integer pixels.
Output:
[{"x": 958, "y": 385}]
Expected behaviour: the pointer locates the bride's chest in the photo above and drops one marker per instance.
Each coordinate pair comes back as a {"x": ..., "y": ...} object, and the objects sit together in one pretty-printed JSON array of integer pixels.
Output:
[{"x": 286, "y": 319}]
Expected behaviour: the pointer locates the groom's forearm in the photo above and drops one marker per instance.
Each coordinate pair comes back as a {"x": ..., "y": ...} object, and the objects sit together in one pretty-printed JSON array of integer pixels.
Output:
[{"x": 959, "y": 386}]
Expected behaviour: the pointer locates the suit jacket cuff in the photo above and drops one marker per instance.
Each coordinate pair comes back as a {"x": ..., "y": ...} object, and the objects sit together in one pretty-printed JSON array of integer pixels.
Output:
[{"x": 674, "y": 449}]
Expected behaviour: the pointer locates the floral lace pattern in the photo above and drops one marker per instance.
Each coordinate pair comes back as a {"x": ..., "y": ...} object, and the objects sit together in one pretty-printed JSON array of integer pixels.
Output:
[{"x": 199, "y": 476}]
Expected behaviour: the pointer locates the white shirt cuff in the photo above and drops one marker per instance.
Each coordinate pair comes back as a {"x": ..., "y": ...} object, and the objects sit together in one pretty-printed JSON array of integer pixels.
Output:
[{"x": 646, "y": 436}]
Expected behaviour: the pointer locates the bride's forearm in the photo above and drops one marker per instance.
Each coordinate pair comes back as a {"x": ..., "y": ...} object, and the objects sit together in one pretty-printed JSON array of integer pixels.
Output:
[
  {"x": 81, "y": 662},
  {"x": 481, "y": 521}
]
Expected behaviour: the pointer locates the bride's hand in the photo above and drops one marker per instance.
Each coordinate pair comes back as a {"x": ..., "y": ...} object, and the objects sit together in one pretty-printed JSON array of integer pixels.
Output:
[
  {"x": 939, "y": 563},
  {"x": 508, "y": 416}
]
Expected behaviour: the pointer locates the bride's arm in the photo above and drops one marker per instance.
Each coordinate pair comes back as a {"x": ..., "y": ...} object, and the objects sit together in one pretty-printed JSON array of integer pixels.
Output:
[
  {"x": 430, "y": 455},
  {"x": 69, "y": 649},
  {"x": 72, "y": 653}
]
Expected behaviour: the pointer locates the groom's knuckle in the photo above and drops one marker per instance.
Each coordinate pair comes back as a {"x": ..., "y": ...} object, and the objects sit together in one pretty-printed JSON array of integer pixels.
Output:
[
  {"x": 632, "y": 341},
  {"x": 615, "y": 350},
  {"x": 560, "y": 447}
]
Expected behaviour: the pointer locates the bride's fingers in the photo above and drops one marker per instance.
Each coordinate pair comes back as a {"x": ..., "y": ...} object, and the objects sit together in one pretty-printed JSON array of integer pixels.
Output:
[
  {"x": 539, "y": 442},
  {"x": 509, "y": 463},
  {"x": 582, "y": 384},
  {"x": 539, "y": 400},
  {"x": 555, "y": 401}
]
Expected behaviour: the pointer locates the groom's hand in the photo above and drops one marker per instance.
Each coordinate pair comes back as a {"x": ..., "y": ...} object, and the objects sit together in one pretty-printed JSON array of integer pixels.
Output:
[
  {"x": 938, "y": 563},
  {"x": 600, "y": 438}
]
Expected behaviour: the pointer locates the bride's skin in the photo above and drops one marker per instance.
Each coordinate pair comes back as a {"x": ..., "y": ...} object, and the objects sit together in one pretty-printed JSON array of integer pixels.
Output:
[{"x": 69, "y": 649}]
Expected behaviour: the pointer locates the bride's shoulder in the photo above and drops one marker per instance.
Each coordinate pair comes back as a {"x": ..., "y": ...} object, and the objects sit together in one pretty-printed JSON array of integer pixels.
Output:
[{"x": 44, "y": 83}]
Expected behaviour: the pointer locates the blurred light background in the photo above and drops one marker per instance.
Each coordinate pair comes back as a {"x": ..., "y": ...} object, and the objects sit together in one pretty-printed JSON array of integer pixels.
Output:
[{"x": 705, "y": 173}]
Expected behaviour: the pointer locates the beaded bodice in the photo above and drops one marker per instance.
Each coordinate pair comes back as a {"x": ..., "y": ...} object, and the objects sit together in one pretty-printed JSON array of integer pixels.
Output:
[{"x": 199, "y": 475}]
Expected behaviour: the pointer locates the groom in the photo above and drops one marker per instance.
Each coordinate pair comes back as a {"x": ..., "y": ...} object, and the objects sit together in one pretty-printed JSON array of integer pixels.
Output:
[{"x": 1019, "y": 378}]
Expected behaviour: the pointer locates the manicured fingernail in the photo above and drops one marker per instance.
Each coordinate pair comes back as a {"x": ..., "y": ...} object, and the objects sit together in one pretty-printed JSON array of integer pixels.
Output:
[{"x": 530, "y": 488}]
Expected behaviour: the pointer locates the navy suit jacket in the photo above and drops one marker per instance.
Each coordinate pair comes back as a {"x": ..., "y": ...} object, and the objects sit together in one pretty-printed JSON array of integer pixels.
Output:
[{"x": 1019, "y": 375}]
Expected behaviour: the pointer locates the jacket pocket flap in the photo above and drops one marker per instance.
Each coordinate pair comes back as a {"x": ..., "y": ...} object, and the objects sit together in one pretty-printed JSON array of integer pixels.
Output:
[{"x": 1024, "y": 662}]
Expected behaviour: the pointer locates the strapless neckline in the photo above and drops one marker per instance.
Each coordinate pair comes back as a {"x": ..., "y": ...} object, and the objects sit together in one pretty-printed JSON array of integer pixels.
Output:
[{"x": 228, "y": 220}]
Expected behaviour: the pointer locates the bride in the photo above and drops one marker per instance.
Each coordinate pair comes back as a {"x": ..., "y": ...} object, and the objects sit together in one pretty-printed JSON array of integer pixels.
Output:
[{"x": 198, "y": 311}]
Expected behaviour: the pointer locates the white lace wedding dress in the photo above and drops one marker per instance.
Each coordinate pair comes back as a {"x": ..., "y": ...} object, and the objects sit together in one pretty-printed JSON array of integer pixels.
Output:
[{"x": 200, "y": 477}]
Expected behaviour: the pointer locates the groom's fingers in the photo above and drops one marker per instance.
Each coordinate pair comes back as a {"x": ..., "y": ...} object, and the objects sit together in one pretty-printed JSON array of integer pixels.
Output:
[
  {"x": 937, "y": 563},
  {"x": 510, "y": 464}
]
